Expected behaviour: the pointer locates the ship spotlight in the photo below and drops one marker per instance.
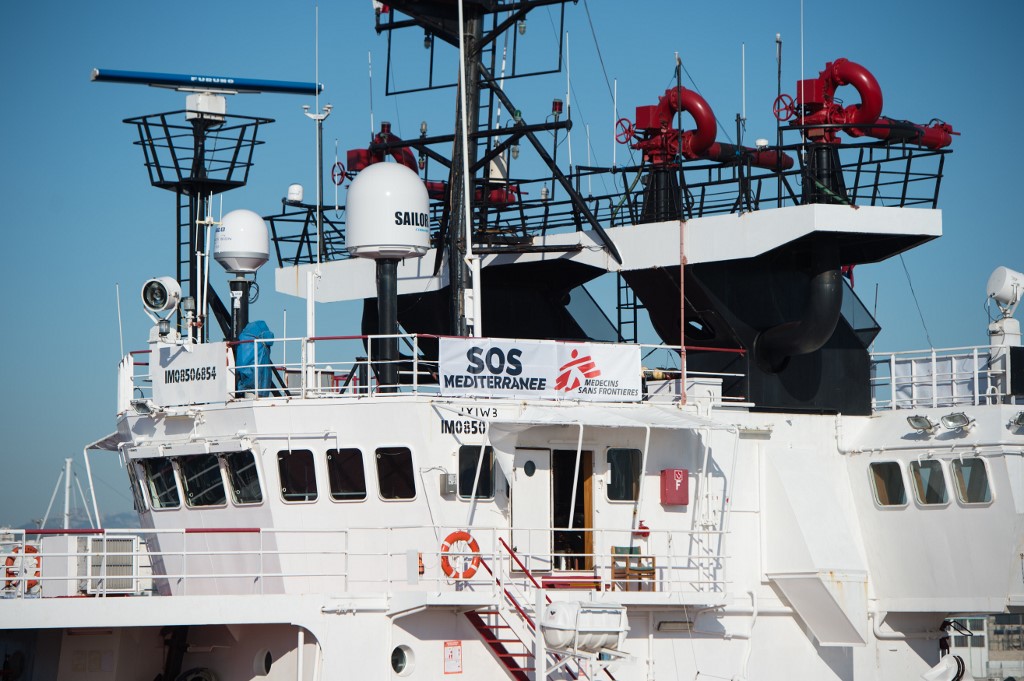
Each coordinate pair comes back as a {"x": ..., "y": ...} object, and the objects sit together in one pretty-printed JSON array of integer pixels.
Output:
[
  {"x": 957, "y": 421},
  {"x": 922, "y": 424},
  {"x": 161, "y": 294},
  {"x": 145, "y": 407},
  {"x": 1018, "y": 420}
]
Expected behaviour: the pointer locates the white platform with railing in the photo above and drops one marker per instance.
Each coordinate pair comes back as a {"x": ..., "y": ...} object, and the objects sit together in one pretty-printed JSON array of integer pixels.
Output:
[
  {"x": 346, "y": 367},
  {"x": 679, "y": 566},
  {"x": 946, "y": 377}
]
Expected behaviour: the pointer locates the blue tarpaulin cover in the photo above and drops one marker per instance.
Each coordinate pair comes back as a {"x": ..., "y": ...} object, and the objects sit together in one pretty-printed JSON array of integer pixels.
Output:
[{"x": 244, "y": 374}]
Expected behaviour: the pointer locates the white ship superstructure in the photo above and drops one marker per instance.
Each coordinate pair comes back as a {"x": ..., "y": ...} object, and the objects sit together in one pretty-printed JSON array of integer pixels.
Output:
[{"x": 756, "y": 497}]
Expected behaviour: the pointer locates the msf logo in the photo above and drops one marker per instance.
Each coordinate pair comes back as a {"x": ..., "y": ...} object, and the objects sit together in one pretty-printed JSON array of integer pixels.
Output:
[{"x": 570, "y": 373}]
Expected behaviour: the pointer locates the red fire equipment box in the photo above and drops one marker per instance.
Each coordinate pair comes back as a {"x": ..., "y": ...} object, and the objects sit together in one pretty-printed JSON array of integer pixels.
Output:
[{"x": 675, "y": 487}]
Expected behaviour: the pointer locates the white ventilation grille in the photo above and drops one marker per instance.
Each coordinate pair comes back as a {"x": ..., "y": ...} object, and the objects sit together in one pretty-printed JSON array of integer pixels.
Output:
[{"x": 113, "y": 565}]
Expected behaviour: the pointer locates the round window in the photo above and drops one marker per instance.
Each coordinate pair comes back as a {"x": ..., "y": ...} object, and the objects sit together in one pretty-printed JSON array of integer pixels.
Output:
[
  {"x": 402, "y": 660},
  {"x": 529, "y": 468}
]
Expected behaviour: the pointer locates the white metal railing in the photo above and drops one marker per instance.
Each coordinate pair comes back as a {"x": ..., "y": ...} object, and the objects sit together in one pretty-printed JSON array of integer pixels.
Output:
[
  {"x": 210, "y": 561},
  {"x": 940, "y": 378},
  {"x": 345, "y": 367}
]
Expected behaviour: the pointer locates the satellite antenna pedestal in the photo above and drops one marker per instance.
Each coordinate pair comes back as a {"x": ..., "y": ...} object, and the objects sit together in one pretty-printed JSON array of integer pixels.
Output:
[
  {"x": 387, "y": 316},
  {"x": 239, "y": 304}
]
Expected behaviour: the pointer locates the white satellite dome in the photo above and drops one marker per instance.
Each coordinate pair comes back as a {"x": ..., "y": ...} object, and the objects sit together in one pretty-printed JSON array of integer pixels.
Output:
[
  {"x": 388, "y": 213},
  {"x": 241, "y": 243}
]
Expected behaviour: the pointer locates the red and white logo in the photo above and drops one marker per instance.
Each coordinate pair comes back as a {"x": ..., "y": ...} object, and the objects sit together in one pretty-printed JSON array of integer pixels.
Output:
[{"x": 570, "y": 373}]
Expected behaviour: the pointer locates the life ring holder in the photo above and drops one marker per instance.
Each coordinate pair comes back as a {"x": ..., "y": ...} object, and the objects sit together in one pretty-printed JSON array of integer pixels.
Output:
[
  {"x": 446, "y": 546},
  {"x": 11, "y": 571}
]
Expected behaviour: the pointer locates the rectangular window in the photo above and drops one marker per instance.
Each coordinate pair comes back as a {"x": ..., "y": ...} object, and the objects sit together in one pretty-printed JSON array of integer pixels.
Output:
[
  {"x": 345, "y": 472},
  {"x": 971, "y": 480},
  {"x": 298, "y": 479},
  {"x": 929, "y": 482},
  {"x": 394, "y": 473},
  {"x": 469, "y": 455},
  {"x": 888, "y": 483},
  {"x": 201, "y": 478},
  {"x": 624, "y": 477},
  {"x": 245, "y": 482},
  {"x": 163, "y": 489}
]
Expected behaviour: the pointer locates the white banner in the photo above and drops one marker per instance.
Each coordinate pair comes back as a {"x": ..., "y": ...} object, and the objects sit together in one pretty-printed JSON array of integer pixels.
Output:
[
  {"x": 532, "y": 369},
  {"x": 195, "y": 376}
]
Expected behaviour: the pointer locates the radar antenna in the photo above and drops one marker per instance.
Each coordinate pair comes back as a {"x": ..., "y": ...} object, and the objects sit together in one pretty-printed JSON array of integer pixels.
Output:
[{"x": 197, "y": 152}]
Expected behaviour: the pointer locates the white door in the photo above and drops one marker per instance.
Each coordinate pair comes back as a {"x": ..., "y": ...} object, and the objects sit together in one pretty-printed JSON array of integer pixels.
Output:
[{"x": 531, "y": 507}]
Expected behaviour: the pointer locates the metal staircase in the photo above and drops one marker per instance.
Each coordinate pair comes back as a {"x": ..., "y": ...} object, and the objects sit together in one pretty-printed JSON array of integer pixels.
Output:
[
  {"x": 512, "y": 633},
  {"x": 510, "y": 650}
]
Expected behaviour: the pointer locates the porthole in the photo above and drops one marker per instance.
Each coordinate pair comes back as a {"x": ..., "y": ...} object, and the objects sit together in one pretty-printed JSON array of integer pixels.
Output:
[
  {"x": 402, "y": 660},
  {"x": 529, "y": 468},
  {"x": 262, "y": 662}
]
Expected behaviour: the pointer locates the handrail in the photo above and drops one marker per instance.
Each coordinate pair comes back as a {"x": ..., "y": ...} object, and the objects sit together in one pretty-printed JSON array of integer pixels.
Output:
[{"x": 345, "y": 368}]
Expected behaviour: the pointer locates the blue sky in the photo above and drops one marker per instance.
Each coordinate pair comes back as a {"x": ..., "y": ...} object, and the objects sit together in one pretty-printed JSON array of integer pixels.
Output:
[{"x": 80, "y": 217}]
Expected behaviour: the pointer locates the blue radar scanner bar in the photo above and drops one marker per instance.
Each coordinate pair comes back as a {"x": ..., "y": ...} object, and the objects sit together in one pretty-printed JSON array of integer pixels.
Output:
[{"x": 204, "y": 83}]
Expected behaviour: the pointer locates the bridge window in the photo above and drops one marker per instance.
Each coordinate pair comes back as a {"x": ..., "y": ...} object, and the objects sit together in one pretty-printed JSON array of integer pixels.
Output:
[
  {"x": 624, "y": 477},
  {"x": 888, "y": 482},
  {"x": 245, "y": 481},
  {"x": 163, "y": 489},
  {"x": 201, "y": 478},
  {"x": 469, "y": 455},
  {"x": 346, "y": 475},
  {"x": 395, "y": 477},
  {"x": 298, "y": 478},
  {"x": 929, "y": 482},
  {"x": 971, "y": 479}
]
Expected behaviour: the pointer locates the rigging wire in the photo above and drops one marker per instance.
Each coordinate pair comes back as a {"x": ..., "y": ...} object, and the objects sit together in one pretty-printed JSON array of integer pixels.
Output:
[
  {"x": 600, "y": 57},
  {"x": 917, "y": 304}
]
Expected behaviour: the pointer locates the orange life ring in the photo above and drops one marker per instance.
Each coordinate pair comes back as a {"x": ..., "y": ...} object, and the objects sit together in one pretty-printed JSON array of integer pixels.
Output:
[
  {"x": 27, "y": 565},
  {"x": 446, "y": 546}
]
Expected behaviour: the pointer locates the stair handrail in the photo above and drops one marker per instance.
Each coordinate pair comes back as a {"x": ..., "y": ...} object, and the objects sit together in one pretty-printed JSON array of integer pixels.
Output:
[{"x": 515, "y": 557}]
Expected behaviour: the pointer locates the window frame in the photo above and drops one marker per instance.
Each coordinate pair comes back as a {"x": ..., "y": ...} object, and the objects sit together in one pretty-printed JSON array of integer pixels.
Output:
[
  {"x": 872, "y": 481},
  {"x": 918, "y": 488},
  {"x": 376, "y": 469},
  {"x": 488, "y": 452},
  {"x": 184, "y": 484},
  {"x": 330, "y": 485},
  {"x": 137, "y": 478},
  {"x": 280, "y": 477},
  {"x": 260, "y": 481},
  {"x": 149, "y": 491},
  {"x": 639, "y": 474},
  {"x": 958, "y": 478}
]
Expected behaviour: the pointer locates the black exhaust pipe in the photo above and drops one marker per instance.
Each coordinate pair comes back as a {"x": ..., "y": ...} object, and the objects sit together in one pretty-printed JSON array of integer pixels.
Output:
[{"x": 774, "y": 347}]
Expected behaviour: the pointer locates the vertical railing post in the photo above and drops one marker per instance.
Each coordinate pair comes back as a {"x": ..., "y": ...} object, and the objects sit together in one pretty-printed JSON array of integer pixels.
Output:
[
  {"x": 892, "y": 382},
  {"x": 304, "y": 380},
  {"x": 977, "y": 382},
  {"x": 415, "y": 364},
  {"x": 935, "y": 381}
]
